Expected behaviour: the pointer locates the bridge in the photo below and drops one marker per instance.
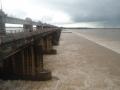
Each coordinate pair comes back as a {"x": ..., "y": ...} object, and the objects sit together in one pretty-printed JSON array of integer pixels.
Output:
[{"x": 21, "y": 53}]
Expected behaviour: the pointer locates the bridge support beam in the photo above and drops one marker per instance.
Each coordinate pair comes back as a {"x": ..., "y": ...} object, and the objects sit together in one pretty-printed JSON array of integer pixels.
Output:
[{"x": 47, "y": 45}]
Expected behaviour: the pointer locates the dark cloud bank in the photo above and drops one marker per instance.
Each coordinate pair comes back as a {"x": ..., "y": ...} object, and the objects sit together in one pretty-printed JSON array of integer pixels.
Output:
[{"x": 106, "y": 12}]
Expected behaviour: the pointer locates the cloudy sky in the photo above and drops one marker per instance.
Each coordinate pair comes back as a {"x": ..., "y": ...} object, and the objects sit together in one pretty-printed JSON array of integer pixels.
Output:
[{"x": 85, "y": 13}]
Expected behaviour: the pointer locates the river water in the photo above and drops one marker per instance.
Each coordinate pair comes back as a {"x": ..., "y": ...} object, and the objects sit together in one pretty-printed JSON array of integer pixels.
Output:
[{"x": 109, "y": 38}]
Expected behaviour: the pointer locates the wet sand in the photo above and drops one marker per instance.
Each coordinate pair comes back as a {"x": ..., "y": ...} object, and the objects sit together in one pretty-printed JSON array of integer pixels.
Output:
[{"x": 79, "y": 65}]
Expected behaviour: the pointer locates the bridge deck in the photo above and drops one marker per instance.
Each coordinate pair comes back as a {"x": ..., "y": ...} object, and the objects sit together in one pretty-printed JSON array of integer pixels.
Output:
[
  {"x": 23, "y": 35},
  {"x": 79, "y": 64}
]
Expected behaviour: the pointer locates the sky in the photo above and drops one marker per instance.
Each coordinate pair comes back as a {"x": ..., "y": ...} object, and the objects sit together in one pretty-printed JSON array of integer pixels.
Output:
[{"x": 73, "y": 13}]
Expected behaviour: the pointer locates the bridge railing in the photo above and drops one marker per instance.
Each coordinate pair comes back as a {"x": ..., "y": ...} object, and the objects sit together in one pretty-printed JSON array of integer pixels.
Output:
[
  {"x": 13, "y": 31},
  {"x": 19, "y": 34},
  {"x": 28, "y": 24}
]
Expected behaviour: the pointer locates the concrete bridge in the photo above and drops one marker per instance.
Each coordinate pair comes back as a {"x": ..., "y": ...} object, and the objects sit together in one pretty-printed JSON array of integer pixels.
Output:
[{"x": 21, "y": 54}]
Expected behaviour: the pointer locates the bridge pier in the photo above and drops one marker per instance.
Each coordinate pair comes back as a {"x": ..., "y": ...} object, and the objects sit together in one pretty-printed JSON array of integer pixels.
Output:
[
  {"x": 26, "y": 64},
  {"x": 41, "y": 73},
  {"x": 56, "y": 37},
  {"x": 47, "y": 45}
]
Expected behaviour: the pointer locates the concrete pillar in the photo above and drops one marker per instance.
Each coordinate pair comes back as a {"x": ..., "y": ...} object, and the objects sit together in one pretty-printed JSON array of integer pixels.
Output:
[
  {"x": 41, "y": 73},
  {"x": 49, "y": 46},
  {"x": 2, "y": 23},
  {"x": 23, "y": 62},
  {"x": 38, "y": 58},
  {"x": 56, "y": 37},
  {"x": 42, "y": 43},
  {"x": 33, "y": 60},
  {"x": 28, "y": 27},
  {"x": 27, "y": 61}
]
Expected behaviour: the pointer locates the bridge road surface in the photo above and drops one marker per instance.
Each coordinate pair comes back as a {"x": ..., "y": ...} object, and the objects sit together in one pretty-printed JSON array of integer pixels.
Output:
[{"x": 79, "y": 65}]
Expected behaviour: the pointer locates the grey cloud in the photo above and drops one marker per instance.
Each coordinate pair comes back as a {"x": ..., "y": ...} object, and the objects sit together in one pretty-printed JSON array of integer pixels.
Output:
[{"x": 88, "y": 10}]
